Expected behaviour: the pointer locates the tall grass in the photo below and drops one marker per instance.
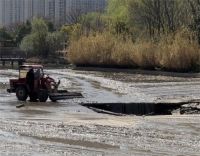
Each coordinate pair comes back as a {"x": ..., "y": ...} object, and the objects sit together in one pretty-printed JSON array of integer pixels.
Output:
[
  {"x": 146, "y": 55},
  {"x": 179, "y": 52},
  {"x": 100, "y": 50}
]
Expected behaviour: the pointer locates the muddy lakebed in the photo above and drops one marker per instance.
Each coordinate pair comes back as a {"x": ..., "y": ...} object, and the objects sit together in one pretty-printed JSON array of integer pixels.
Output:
[{"x": 68, "y": 128}]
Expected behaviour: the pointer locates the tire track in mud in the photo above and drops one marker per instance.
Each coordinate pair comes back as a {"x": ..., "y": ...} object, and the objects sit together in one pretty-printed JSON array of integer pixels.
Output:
[
  {"x": 103, "y": 88},
  {"x": 179, "y": 88},
  {"x": 80, "y": 146}
]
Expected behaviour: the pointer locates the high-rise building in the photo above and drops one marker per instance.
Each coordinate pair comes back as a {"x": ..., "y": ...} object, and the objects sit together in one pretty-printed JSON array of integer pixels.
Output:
[
  {"x": 11, "y": 12},
  {"x": 28, "y": 9},
  {"x": 75, "y": 8},
  {"x": 50, "y": 9},
  {"x": 38, "y": 8},
  {"x": 58, "y": 11},
  {"x": 2, "y": 4},
  {"x": 7, "y": 6}
]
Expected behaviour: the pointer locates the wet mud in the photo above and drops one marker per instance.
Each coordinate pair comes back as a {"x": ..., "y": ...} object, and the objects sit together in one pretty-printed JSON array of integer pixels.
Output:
[{"x": 68, "y": 128}]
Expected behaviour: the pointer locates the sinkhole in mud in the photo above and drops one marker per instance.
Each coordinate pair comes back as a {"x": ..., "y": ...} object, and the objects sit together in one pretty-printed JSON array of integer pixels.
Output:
[{"x": 134, "y": 108}]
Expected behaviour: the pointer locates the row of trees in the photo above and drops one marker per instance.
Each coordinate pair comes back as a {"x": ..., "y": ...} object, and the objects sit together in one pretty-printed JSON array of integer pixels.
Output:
[
  {"x": 42, "y": 41},
  {"x": 15, "y": 33},
  {"x": 144, "y": 18},
  {"x": 151, "y": 34},
  {"x": 159, "y": 17},
  {"x": 37, "y": 38}
]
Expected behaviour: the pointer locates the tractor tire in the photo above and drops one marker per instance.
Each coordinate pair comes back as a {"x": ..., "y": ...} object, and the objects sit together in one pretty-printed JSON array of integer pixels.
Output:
[
  {"x": 52, "y": 99},
  {"x": 33, "y": 97},
  {"x": 43, "y": 95},
  {"x": 21, "y": 93}
]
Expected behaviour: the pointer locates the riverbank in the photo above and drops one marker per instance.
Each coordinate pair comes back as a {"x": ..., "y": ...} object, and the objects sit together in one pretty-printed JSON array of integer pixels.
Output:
[
  {"x": 68, "y": 128},
  {"x": 51, "y": 60},
  {"x": 138, "y": 71}
]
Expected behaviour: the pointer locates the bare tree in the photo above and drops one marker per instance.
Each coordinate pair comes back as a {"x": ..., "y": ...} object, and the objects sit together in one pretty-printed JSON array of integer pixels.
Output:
[
  {"x": 158, "y": 16},
  {"x": 195, "y": 9},
  {"x": 73, "y": 16}
]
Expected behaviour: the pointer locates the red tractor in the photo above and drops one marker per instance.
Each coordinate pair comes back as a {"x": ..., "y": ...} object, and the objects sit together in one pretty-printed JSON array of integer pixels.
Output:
[{"x": 44, "y": 86}]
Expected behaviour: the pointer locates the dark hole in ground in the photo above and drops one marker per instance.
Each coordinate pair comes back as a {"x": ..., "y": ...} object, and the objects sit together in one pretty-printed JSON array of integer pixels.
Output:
[{"x": 135, "y": 108}]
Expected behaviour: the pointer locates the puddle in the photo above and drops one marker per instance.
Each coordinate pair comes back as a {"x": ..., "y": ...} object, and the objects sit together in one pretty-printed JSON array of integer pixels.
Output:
[{"x": 81, "y": 143}]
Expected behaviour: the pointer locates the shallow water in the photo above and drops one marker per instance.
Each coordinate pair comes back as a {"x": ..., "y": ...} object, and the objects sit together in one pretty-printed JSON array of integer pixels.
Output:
[{"x": 67, "y": 128}]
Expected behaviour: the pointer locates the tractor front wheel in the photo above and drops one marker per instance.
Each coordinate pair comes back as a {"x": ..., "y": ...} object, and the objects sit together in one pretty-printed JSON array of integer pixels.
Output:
[
  {"x": 21, "y": 93},
  {"x": 43, "y": 95}
]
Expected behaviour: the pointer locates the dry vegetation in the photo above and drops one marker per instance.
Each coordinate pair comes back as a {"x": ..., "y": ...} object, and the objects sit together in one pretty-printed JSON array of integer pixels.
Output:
[
  {"x": 155, "y": 34},
  {"x": 179, "y": 52},
  {"x": 101, "y": 50}
]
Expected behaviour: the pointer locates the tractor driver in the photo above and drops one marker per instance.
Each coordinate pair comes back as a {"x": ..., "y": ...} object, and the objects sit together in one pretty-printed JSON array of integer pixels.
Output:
[
  {"x": 30, "y": 80},
  {"x": 37, "y": 74}
]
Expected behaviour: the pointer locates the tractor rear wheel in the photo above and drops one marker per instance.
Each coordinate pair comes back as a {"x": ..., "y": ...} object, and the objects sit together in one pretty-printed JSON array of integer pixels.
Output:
[
  {"x": 43, "y": 95},
  {"x": 21, "y": 93}
]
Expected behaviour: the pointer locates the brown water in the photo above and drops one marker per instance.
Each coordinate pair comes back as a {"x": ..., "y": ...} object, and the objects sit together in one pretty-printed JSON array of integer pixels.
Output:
[{"x": 67, "y": 128}]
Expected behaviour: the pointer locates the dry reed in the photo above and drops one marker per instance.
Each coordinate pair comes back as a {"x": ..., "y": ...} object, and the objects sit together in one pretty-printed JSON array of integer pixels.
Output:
[{"x": 177, "y": 53}]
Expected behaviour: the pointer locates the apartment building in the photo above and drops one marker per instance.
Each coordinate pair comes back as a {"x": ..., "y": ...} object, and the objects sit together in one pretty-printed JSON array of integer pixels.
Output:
[
  {"x": 75, "y": 8},
  {"x": 2, "y": 11},
  {"x": 58, "y": 11},
  {"x": 50, "y": 9}
]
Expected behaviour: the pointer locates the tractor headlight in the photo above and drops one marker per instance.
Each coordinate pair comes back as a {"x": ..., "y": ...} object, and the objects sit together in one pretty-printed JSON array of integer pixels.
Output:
[{"x": 52, "y": 85}]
